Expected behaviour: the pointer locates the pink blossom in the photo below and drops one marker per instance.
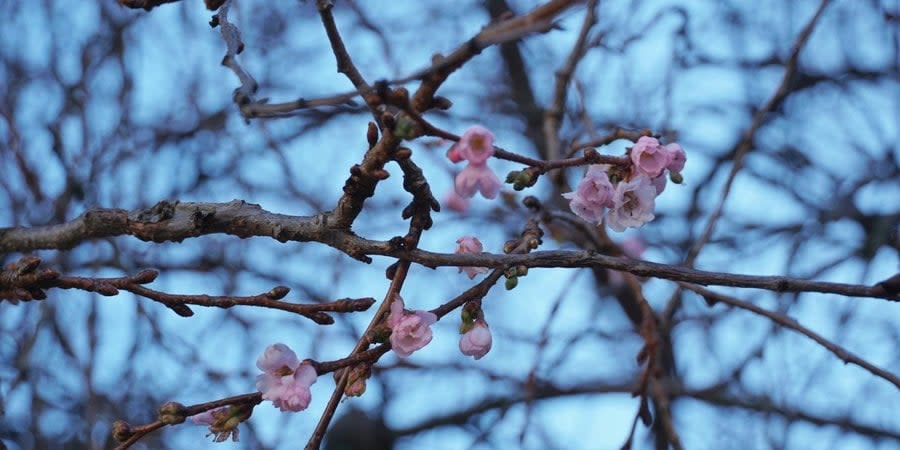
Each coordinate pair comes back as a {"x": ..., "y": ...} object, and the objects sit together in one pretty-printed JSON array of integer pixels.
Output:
[
  {"x": 476, "y": 145},
  {"x": 477, "y": 341},
  {"x": 677, "y": 157},
  {"x": 477, "y": 177},
  {"x": 276, "y": 357},
  {"x": 410, "y": 331},
  {"x": 659, "y": 183},
  {"x": 456, "y": 202},
  {"x": 285, "y": 380},
  {"x": 633, "y": 204},
  {"x": 593, "y": 195},
  {"x": 469, "y": 245},
  {"x": 649, "y": 157}
]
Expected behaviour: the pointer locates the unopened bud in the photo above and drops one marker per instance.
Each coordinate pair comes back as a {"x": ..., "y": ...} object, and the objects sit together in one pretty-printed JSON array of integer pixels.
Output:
[
  {"x": 278, "y": 292},
  {"x": 172, "y": 413},
  {"x": 121, "y": 431}
]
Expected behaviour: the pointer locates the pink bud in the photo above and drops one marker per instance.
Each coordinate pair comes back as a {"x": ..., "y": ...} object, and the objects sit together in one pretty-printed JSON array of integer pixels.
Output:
[
  {"x": 477, "y": 341},
  {"x": 677, "y": 157},
  {"x": 453, "y": 155}
]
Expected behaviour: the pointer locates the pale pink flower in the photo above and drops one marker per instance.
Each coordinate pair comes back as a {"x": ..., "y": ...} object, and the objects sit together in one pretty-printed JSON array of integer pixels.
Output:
[
  {"x": 456, "y": 202},
  {"x": 677, "y": 157},
  {"x": 659, "y": 183},
  {"x": 410, "y": 331},
  {"x": 633, "y": 204},
  {"x": 476, "y": 145},
  {"x": 470, "y": 244},
  {"x": 593, "y": 195},
  {"x": 285, "y": 380},
  {"x": 276, "y": 357},
  {"x": 477, "y": 341},
  {"x": 477, "y": 177},
  {"x": 649, "y": 157}
]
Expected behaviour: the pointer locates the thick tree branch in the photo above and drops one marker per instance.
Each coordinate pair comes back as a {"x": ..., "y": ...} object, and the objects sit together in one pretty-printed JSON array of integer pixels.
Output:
[{"x": 174, "y": 221}]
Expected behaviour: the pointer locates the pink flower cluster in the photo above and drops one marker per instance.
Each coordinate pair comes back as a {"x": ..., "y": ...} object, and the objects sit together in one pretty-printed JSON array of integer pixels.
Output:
[
  {"x": 475, "y": 146},
  {"x": 410, "y": 331},
  {"x": 630, "y": 199},
  {"x": 285, "y": 380},
  {"x": 470, "y": 245}
]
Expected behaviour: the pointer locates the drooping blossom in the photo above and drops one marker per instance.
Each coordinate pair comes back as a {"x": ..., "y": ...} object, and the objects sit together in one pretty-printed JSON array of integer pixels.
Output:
[
  {"x": 649, "y": 157},
  {"x": 410, "y": 331},
  {"x": 476, "y": 145},
  {"x": 633, "y": 203},
  {"x": 477, "y": 341},
  {"x": 593, "y": 195},
  {"x": 456, "y": 202},
  {"x": 477, "y": 178},
  {"x": 469, "y": 245},
  {"x": 677, "y": 157},
  {"x": 285, "y": 380}
]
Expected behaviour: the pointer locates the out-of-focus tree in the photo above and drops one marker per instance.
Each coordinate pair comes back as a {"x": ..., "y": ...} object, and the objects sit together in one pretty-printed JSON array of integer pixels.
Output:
[{"x": 280, "y": 200}]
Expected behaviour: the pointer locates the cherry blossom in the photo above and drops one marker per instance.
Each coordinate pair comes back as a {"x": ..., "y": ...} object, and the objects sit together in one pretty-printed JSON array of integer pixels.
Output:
[
  {"x": 285, "y": 380},
  {"x": 633, "y": 204},
  {"x": 477, "y": 178},
  {"x": 649, "y": 157},
  {"x": 476, "y": 145},
  {"x": 593, "y": 194},
  {"x": 410, "y": 331},
  {"x": 469, "y": 245}
]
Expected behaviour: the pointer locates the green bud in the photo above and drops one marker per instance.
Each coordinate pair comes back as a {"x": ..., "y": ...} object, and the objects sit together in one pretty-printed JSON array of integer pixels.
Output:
[
  {"x": 511, "y": 283},
  {"x": 407, "y": 128},
  {"x": 676, "y": 177}
]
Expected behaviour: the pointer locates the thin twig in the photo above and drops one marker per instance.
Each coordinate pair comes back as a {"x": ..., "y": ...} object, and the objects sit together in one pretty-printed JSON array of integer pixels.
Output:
[
  {"x": 744, "y": 146},
  {"x": 713, "y": 297}
]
